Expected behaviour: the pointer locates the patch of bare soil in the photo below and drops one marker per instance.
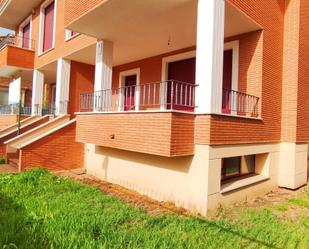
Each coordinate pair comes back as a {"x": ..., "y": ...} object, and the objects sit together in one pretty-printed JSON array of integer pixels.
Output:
[
  {"x": 277, "y": 200},
  {"x": 131, "y": 197},
  {"x": 277, "y": 196}
]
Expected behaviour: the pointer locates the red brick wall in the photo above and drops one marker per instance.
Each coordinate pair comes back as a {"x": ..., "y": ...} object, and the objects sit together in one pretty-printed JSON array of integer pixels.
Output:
[
  {"x": 74, "y": 9},
  {"x": 7, "y": 120},
  {"x": 22, "y": 130},
  {"x": 81, "y": 81},
  {"x": 10, "y": 56},
  {"x": 166, "y": 134},
  {"x": 302, "y": 133},
  {"x": 225, "y": 130},
  {"x": 57, "y": 151}
]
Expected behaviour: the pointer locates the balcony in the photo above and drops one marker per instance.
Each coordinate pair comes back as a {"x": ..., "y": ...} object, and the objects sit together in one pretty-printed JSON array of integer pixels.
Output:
[
  {"x": 15, "y": 109},
  {"x": 166, "y": 95},
  {"x": 155, "y": 118},
  {"x": 16, "y": 53}
]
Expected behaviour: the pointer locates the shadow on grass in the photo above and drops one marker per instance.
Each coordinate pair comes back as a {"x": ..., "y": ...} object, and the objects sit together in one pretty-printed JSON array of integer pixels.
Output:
[{"x": 17, "y": 228}]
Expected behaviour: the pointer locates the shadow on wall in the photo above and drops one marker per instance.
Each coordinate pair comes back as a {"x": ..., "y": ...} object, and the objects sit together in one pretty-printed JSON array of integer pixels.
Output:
[{"x": 179, "y": 164}]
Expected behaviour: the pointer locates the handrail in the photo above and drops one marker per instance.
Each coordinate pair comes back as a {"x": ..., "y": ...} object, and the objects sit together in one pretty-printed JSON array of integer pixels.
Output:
[
  {"x": 17, "y": 41},
  {"x": 242, "y": 104},
  {"x": 170, "y": 95}
]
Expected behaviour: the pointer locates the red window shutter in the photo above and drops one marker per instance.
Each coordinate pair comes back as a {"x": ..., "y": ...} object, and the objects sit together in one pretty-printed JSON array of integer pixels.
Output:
[
  {"x": 26, "y": 36},
  {"x": 48, "y": 26}
]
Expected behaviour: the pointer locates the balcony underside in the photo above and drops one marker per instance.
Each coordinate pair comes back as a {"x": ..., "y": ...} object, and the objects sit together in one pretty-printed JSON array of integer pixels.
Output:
[
  {"x": 133, "y": 25},
  {"x": 161, "y": 133},
  {"x": 17, "y": 9},
  {"x": 14, "y": 59}
]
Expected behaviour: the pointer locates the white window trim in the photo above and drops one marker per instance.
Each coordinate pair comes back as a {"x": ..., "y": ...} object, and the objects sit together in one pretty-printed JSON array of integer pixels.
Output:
[
  {"x": 164, "y": 75},
  {"x": 41, "y": 29},
  {"x": 20, "y": 32},
  {"x": 122, "y": 76},
  {"x": 68, "y": 36},
  {"x": 173, "y": 58},
  {"x": 234, "y": 46}
]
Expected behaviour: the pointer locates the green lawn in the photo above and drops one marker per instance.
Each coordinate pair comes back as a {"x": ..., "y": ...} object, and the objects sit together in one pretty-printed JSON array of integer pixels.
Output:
[{"x": 40, "y": 210}]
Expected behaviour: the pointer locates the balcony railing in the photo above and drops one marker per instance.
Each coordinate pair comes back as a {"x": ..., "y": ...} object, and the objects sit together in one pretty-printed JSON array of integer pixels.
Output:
[
  {"x": 239, "y": 103},
  {"x": 166, "y": 95},
  {"x": 50, "y": 109},
  {"x": 14, "y": 109},
  {"x": 17, "y": 41}
]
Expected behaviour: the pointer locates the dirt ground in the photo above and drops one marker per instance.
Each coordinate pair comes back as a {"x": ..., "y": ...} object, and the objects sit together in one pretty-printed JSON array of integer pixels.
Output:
[{"x": 154, "y": 207}]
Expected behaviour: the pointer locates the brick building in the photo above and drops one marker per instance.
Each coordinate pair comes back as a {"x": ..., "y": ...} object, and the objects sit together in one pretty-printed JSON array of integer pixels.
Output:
[{"x": 198, "y": 102}]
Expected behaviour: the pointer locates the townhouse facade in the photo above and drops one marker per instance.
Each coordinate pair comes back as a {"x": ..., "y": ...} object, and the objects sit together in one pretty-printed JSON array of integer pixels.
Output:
[{"x": 195, "y": 102}]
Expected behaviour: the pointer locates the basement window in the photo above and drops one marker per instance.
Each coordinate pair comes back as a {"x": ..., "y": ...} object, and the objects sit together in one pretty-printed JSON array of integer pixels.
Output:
[
  {"x": 241, "y": 171},
  {"x": 239, "y": 167}
]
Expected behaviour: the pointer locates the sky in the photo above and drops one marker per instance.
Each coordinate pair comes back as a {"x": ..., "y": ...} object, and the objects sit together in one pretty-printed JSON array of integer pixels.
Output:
[{"x": 4, "y": 31}]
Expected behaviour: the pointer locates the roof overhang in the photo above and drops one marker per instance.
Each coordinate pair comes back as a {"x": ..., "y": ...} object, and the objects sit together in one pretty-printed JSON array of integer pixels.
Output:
[{"x": 13, "y": 12}]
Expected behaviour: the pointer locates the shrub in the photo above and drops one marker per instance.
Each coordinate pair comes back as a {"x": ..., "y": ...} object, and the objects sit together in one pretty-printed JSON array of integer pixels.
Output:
[{"x": 2, "y": 160}]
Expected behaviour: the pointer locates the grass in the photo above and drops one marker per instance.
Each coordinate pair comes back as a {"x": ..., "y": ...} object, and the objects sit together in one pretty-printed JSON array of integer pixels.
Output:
[{"x": 40, "y": 210}]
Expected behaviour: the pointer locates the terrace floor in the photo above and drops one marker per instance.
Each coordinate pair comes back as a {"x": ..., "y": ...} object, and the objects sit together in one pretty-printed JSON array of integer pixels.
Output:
[{"x": 7, "y": 169}]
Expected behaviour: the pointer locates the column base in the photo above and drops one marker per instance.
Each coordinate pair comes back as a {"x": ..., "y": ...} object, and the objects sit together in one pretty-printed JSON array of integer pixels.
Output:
[{"x": 293, "y": 165}]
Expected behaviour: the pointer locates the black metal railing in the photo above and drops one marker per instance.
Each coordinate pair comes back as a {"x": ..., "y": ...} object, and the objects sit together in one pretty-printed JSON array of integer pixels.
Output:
[
  {"x": 170, "y": 95},
  {"x": 238, "y": 103},
  {"x": 14, "y": 109},
  {"x": 17, "y": 41},
  {"x": 51, "y": 108}
]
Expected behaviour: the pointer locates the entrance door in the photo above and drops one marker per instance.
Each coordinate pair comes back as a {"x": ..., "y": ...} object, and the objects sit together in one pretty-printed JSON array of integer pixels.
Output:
[
  {"x": 26, "y": 36},
  {"x": 129, "y": 93},
  {"x": 227, "y": 82},
  {"x": 183, "y": 73}
]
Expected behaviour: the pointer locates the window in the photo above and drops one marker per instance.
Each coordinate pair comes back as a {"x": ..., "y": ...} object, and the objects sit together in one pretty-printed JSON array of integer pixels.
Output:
[
  {"x": 235, "y": 167},
  {"x": 70, "y": 34},
  {"x": 24, "y": 35},
  {"x": 47, "y": 26}
]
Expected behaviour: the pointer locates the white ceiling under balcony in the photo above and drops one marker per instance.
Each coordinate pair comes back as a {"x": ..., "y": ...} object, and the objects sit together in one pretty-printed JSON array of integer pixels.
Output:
[
  {"x": 13, "y": 12},
  {"x": 145, "y": 28}
]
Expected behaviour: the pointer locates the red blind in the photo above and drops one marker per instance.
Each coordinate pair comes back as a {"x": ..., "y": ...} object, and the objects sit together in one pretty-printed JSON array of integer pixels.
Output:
[
  {"x": 26, "y": 36},
  {"x": 48, "y": 26}
]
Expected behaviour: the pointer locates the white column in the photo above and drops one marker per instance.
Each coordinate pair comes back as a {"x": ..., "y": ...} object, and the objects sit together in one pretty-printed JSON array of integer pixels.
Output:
[
  {"x": 37, "y": 92},
  {"x": 103, "y": 75},
  {"x": 62, "y": 86},
  {"x": 209, "y": 55}
]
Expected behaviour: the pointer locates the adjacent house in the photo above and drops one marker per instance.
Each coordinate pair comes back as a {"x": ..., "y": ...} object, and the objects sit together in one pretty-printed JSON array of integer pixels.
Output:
[{"x": 196, "y": 102}]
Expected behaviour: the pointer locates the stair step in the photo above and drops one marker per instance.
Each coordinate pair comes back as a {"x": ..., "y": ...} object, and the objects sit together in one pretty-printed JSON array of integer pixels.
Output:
[{"x": 14, "y": 162}]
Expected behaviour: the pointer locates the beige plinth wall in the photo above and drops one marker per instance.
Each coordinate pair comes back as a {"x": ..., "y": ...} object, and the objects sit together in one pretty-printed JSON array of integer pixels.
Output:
[
  {"x": 266, "y": 167},
  {"x": 193, "y": 182},
  {"x": 293, "y": 165},
  {"x": 182, "y": 180}
]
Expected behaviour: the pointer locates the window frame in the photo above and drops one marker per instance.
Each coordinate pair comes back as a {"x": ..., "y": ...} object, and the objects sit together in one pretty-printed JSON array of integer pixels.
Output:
[
  {"x": 240, "y": 175},
  {"x": 43, "y": 6},
  {"x": 27, "y": 21},
  {"x": 69, "y": 36}
]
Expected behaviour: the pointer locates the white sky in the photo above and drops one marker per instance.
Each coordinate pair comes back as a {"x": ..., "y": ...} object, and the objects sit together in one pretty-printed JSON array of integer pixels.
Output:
[{"x": 4, "y": 31}]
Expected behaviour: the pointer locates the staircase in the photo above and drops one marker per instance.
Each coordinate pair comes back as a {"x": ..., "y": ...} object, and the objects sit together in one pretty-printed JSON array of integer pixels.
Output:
[{"x": 51, "y": 145}]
